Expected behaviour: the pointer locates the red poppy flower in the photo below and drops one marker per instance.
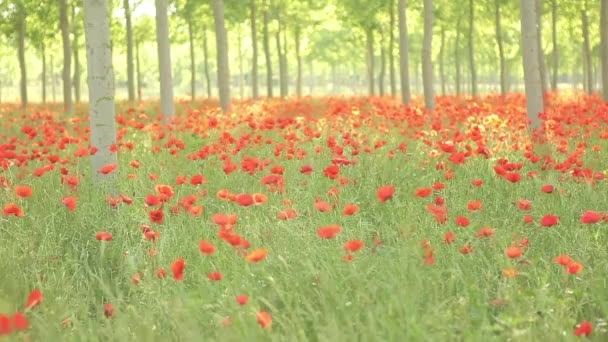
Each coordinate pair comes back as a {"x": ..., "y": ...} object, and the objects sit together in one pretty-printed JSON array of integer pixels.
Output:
[
  {"x": 462, "y": 221},
  {"x": 206, "y": 248},
  {"x": 215, "y": 276},
  {"x": 108, "y": 310},
  {"x": 591, "y": 217},
  {"x": 257, "y": 255},
  {"x": 264, "y": 319},
  {"x": 583, "y": 329},
  {"x": 33, "y": 300},
  {"x": 350, "y": 209},
  {"x": 177, "y": 267},
  {"x": 242, "y": 299},
  {"x": 385, "y": 192},
  {"x": 329, "y": 232},
  {"x": 103, "y": 236},
  {"x": 513, "y": 252},
  {"x": 23, "y": 191},
  {"x": 423, "y": 192},
  {"x": 353, "y": 245},
  {"x": 106, "y": 169},
  {"x": 549, "y": 220}
]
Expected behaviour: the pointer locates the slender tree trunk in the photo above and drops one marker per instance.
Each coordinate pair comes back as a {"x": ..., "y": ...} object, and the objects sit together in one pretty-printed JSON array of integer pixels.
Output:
[
  {"x": 472, "y": 66},
  {"x": 534, "y": 89},
  {"x": 541, "y": 53},
  {"x": 311, "y": 81},
  {"x": 67, "y": 56},
  {"x": 427, "y": 57},
  {"x": 138, "y": 71},
  {"x": 21, "y": 57},
  {"x": 53, "y": 90},
  {"x": 299, "y": 61},
  {"x": 241, "y": 70},
  {"x": 382, "y": 74},
  {"x": 501, "y": 49},
  {"x": 266, "y": 41},
  {"x": 457, "y": 59},
  {"x": 206, "y": 62},
  {"x": 555, "y": 74},
  {"x": 43, "y": 73},
  {"x": 192, "y": 59},
  {"x": 604, "y": 47},
  {"x": 130, "y": 69},
  {"x": 77, "y": 71},
  {"x": 403, "y": 54},
  {"x": 223, "y": 71},
  {"x": 391, "y": 46},
  {"x": 167, "y": 106},
  {"x": 441, "y": 61},
  {"x": 369, "y": 33},
  {"x": 278, "y": 43},
  {"x": 254, "y": 42},
  {"x": 587, "y": 52},
  {"x": 285, "y": 68},
  {"x": 101, "y": 86}
]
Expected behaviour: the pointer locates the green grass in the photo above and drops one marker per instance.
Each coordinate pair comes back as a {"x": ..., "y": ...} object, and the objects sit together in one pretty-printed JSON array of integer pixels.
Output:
[{"x": 385, "y": 294}]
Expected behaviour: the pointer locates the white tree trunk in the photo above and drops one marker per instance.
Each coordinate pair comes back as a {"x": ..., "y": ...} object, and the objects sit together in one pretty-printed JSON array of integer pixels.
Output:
[
  {"x": 403, "y": 54},
  {"x": 67, "y": 56},
  {"x": 427, "y": 57},
  {"x": 223, "y": 71},
  {"x": 529, "y": 38},
  {"x": 130, "y": 66},
  {"x": 604, "y": 47},
  {"x": 164, "y": 60},
  {"x": 100, "y": 80}
]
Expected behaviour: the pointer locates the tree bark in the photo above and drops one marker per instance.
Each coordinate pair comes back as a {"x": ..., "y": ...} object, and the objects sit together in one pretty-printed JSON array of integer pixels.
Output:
[
  {"x": 138, "y": 71},
  {"x": 501, "y": 49},
  {"x": 541, "y": 54},
  {"x": 21, "y": 57},
  {"x": 382, "y": 74},
  {"x": 391, "y": 45},
  {"x": 43, "y": 73},
  {"x": 587, "y": 53},
  {"x": 67, "y": 56},
  {"x": 167, "y": 106},
  {"x": 472, "y": 66},
  {"x": 130, "y": 69},
  {"x": 555, "y": 75},
  {"x": 534, "y": 90},
  {"x": 192, "y": 59},
  {"x": 441, "y": 61},
  {"x": 403, "y": 54},
  {"x": 369, "y": 33},
  {"x": 254, "y": 42},
  {"x": 604, "y": 47},
  {"x": 299, "y": 61},
  {"x": 206, "y": 61},
  {"x": 427, "y": 57},
  {"x": 266, "y": 42},
  {"x": 282, "y": 58},
  {"x": 101, "y": 86},
  {"x": 241, "y": 70},
  {"x": 457, "y": 59},
  {"x": 76, "y": 56},
  {"x": 53, "y": 91},
  {"x": 223, "y": 71}
]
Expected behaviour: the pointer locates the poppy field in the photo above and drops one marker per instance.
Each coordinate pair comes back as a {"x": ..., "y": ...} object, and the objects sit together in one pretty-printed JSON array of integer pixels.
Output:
[{"x": 310, "y": 219}]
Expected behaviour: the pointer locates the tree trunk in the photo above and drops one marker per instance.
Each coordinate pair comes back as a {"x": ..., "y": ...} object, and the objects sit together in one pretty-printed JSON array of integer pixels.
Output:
[
  {"x": 254, "y": 62},
  {"x": 382, "y": 65},
  {"x": 67, "y": 56},
  {"x": 403, "y": 54},
  {"x": 282, "y": 60},
  {"x": 138, "y": 71},
  {"x": 587, "y": 53},
  {"x": 77, "y": 71},
  {"x": 241, "y": 70},
  {"x": 206, "y": 62},
  {"x": 604, "y": 47},
  {"x": 369, "y": 33},
  {"x": 21, "y": 57},
  {"x": 221, "y": 39},
  {"x": 391, "y": 45},
  {"x": 285, "y": 89},
  {"x": 101, "y": 86},
  {"x": 53, "y": 91},
  {"x": 427, "y": 57},
  {"x": 554, "y": 76},
  {"x": 501, "y": 50},
  {"x": 167, "y": 106},
  {"x": 311, "y": 81},
  {"x": 266, "y": 41},
  {"x": 130, "y": 73},
  {"x": 192, "y": 59},
  {"x": 441, "y": 61},
  {"x": 472, "y": 66},
  {"x": 457, "y": 59},
  {"x": 299, "y": 61},
  {"x": 43, "y": 73},
  {"x": 529, "y": 38},
  {"x": 541, "y": 54},
  {"x": 76, "y": 54}
]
